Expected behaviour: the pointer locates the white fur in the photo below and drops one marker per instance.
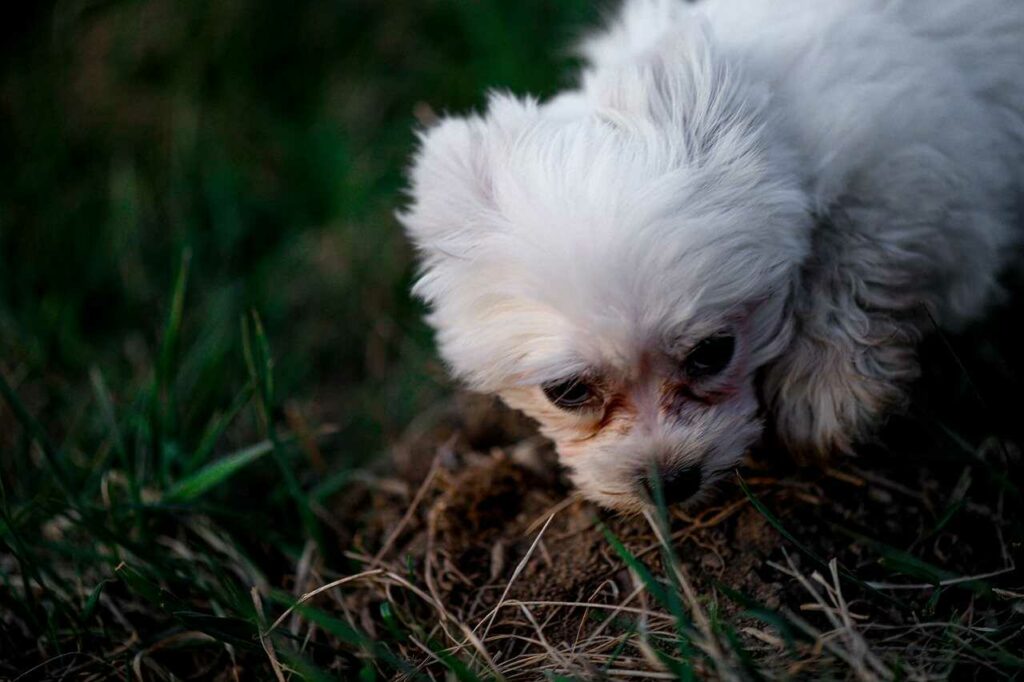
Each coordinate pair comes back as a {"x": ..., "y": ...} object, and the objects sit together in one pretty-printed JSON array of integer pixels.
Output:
[{"x": 818, "y": 178}]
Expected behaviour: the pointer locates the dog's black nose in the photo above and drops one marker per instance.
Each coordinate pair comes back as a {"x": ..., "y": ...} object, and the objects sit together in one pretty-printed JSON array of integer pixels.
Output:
[{"x": 679, "y": 485}]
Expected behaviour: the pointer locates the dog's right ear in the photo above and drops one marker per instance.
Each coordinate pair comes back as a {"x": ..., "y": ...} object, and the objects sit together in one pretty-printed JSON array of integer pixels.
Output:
[
  {"x": 450, "y": 183},
  {"x": 451, "y": 178},
  {"x": 459, "y": 182}
]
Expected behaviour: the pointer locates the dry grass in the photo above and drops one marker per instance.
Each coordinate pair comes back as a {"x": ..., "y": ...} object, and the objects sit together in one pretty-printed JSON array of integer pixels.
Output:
[
  {"x": 467, "y": 557},
  {"x": 468, "y": 581}
]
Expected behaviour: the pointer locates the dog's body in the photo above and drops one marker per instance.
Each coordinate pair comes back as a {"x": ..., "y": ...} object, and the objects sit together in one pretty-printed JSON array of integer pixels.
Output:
[{"x": 745, "y": 204}]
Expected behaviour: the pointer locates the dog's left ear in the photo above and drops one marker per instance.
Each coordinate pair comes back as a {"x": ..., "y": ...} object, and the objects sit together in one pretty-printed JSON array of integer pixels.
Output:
[{"x": 857, "y": 322}]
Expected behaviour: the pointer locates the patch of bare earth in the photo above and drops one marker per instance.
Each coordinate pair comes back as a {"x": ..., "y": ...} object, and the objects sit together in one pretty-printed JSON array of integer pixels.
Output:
[{"x": 878, "y": 568}]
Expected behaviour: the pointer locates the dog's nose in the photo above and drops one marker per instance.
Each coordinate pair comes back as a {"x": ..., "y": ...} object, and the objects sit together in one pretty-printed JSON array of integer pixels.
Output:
[{"x": 680, "y": 484}]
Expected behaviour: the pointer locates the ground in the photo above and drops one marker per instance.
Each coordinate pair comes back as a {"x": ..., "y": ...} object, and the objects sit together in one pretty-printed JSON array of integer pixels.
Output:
[{"x": 491, "y": 524}]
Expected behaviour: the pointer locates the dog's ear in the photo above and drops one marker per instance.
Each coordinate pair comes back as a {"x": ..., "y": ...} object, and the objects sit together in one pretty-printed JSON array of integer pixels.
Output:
[
  {"x": 449, "y": 182},
  {"x": 451, "y": 176},
  {"x": 453, "y": 209},
  {"x": 857, "y": 322},
  {"x": 889, "y": 260}
]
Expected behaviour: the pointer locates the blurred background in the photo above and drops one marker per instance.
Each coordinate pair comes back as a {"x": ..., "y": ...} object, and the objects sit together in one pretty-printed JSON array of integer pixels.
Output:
[
  {"x": 265, "y": 143},
  {"x": 199, "y": 255}
]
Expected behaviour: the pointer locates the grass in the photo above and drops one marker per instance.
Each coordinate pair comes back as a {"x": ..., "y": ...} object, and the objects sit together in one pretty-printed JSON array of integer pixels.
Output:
[{"x": 227, "y": 449}]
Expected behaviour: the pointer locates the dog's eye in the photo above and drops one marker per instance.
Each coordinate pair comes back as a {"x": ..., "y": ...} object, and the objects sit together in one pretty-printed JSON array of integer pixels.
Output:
[
  {"x": 569, "y": 394},
  {"x": 710, "y": 356}
]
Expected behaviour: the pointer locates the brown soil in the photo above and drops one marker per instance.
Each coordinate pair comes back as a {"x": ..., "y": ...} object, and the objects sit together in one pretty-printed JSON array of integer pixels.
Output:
[{"x": 494, "y": 484}]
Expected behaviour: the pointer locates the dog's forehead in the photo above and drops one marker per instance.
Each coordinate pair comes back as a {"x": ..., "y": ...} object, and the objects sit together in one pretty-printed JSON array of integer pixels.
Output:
[
  {"x": 586, "y": 170},
  {"x": 617, "y": 227}
]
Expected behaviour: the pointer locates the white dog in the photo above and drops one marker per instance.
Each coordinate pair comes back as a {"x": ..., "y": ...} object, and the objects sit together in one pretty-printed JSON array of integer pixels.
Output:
[{"x": 747, "y": 210}]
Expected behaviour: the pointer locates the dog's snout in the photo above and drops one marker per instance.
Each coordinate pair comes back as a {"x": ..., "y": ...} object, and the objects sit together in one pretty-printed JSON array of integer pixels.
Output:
[{"x": 679, "y": 484}]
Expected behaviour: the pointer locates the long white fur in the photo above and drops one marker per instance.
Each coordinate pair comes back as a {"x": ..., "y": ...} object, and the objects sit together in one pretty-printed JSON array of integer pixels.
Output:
[{"x": 826, "y": 176}]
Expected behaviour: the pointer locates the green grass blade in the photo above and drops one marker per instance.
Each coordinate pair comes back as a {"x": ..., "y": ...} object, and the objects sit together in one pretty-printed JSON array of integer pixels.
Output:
[
  {"x": 669, "y": 599},
  {"x": 162, "y": 407},
  {"x": 676, "y": 607},
  {"x": 214, "y": 473},
  {"x": 172, "y": 327},
  {"x": 89, "y": 608},
  {"x": 781, "y": 529},
  {"x": 258, "y": 360},
  {"x": 256, "y": 348},
  {"x": 331, "y": 484},
  {"x": 804, "y": 549},
  {"x": 145, "y": 587},
  {"x": 755, "y": 609},
  {"x": 304, "y": 669},
  {"x": 905, "y": 563},
  {"x": 10, "y": 538},
  {"x": 106, "y": 403},
  {"x": 216, "y": 427},
  {"x": 231, "y": 629},
  {"x": 356, "y": 638}
]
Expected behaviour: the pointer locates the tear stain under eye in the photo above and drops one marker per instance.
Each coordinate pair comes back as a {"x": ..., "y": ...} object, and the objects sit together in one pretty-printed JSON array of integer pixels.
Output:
[{"x": 617, "y": 407}]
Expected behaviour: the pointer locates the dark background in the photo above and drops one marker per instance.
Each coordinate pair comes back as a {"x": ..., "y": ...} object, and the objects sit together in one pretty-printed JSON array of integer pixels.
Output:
[
  {"x": 262, "y": 145},
  {"x": 268, "y": 141}
]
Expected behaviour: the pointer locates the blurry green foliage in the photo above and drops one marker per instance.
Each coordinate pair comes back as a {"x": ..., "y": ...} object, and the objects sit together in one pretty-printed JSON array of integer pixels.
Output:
[
  {"x": 167, "y": 169},
  {"x": 268, "y": 139}
]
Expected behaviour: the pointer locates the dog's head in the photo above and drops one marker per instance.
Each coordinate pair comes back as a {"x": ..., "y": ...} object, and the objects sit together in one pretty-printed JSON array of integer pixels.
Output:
[{"x": 617, "y": 264}]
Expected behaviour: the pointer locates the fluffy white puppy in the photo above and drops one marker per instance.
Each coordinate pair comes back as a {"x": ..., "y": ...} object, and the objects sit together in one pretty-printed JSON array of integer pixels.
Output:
[{"x": 748, "y": 210}]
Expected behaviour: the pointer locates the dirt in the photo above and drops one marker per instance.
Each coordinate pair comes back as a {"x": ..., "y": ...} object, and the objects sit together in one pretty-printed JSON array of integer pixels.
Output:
[{"x": 484, "y": 485}]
